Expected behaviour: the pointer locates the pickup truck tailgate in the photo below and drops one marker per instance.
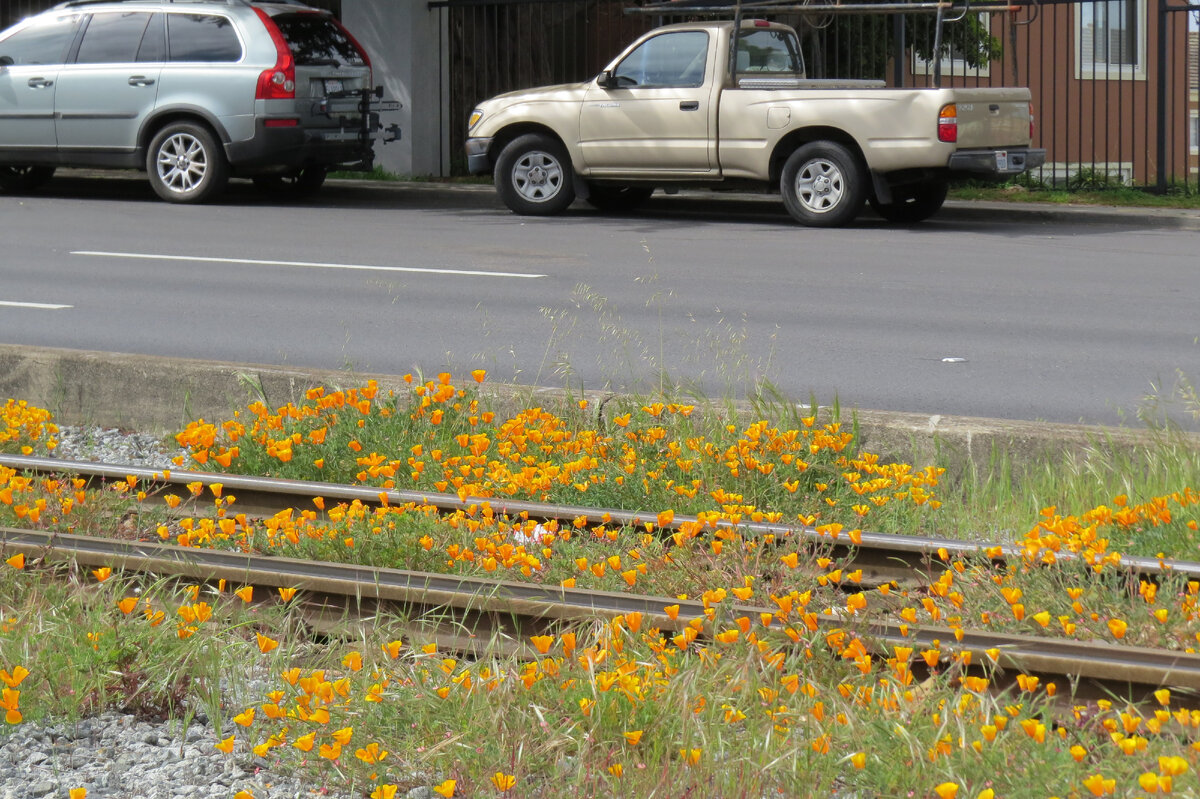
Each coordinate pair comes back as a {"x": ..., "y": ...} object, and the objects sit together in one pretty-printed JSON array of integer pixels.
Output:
[{"x": 992, "y": 118}]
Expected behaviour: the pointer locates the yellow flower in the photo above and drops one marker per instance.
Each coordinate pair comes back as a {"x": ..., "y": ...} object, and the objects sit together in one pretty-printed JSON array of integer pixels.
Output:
[
  {"x": 286, "y": 594},
  {"x": 1117, "y": 627},
  {"x": 103, "y": 573},
  {"x": 353, "y": 661},
  {"x": 616, "y": 769},
  {"x": 13, "y": 680},
  {"x": 245, "y": 718},
  {"x": 266, "y": 644},
  {"x": 859, "y": 760},
  {"x": 243, "y": 795},
  {"x": 305, "y": 742},
  {"x": 503, "y": 782},
  {"x": 17, "y": 561},
  {"x": 225, "y": 745},
  {"x": 445, "y": 789},
  {"x": 633, "y": 737},
  {"x": 479, "y": 375},
  {"x": 385, "y": 792},
  {"x": 343, "y": 735},
  {"x": 947, "y": 790},
  {"x": 245, "y": 593},
  {"x": 77, "y": 793}
]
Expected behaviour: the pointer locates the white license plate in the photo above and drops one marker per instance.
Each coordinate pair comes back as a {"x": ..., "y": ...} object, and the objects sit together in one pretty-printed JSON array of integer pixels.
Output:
[
  {"x": 1002, "y": 161},
  {"x": 344, "y": 135},
  {"x": 333, "y": 85}
]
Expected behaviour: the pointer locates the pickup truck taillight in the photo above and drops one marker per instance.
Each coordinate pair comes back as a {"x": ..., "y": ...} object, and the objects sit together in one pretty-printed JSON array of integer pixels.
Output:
[
  {"x": 948, "y": 123},
  {"x": 278, "y": 82}
]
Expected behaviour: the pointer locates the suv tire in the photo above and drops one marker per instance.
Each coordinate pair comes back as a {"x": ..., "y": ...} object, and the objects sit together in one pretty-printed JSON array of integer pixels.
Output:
[
  {"x": 302, "y": 183},
  {"x": 534, "y": 176},
  {"x": 823, "y": 185},
  {"x": 185, "y": 164},
  {"x": 23, "y": 178}
]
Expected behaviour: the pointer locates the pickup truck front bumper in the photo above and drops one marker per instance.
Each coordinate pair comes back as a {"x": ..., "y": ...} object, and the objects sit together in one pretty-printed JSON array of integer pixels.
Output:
[
  {"x": 478, "y": 160},
  {"x": 996, "y": 163}
]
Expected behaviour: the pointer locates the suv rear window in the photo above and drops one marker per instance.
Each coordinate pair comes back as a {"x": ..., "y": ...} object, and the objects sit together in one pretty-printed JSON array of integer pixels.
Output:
[
  {"x": 315, "y": 40},
  {"x": 202, "y": 37}
]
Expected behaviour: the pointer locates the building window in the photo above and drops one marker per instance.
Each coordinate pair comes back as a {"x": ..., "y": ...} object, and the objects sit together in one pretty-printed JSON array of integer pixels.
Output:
[
  {"x": 1194, "y": 132},
  {"x": 1111, "y": 40}
]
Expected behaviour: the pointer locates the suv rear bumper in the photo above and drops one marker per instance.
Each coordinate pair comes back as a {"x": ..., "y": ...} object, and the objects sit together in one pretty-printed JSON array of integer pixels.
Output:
[{"x": 298, "y": 146}]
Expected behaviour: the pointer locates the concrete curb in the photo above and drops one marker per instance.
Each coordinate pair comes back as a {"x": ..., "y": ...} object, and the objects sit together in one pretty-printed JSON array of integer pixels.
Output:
[{"x": 160, "y": 395}]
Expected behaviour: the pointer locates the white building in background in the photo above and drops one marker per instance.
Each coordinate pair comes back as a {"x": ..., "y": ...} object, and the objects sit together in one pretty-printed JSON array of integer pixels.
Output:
[{"x": 407, "y": 42}]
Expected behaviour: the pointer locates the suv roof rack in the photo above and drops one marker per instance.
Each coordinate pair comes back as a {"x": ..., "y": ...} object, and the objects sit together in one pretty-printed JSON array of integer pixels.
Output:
[{"x": 78, "y": 3}]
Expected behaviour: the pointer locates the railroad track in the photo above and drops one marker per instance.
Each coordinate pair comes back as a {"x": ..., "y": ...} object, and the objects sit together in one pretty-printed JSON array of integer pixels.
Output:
[
  {"x": 882, "y": 556},
  {"x": 503, "y": 615},
  {"x": 477, "y": 616}
]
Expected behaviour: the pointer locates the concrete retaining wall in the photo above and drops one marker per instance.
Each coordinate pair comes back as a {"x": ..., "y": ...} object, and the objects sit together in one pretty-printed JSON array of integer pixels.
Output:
[{"x": 160, "y": 395}]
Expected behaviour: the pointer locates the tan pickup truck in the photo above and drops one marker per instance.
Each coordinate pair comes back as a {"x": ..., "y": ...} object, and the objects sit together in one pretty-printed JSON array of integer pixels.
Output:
[{"x": 677, "y": 110}]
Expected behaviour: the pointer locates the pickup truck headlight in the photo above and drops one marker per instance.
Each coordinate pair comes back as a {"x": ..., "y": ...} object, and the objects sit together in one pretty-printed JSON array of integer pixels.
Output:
[{"x": 476, "y": 115}]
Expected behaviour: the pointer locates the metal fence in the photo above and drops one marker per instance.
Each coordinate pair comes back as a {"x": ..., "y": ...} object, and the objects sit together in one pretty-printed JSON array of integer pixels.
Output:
[
  {"x": 1113, "y": 85},
  {"x": 1114, "y": 82}
]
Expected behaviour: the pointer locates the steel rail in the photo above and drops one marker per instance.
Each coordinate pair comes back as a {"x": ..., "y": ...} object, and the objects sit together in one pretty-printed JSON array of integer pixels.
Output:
[
  {"x": 882, "y": 556},
  {"x": 516, "y": 610}
]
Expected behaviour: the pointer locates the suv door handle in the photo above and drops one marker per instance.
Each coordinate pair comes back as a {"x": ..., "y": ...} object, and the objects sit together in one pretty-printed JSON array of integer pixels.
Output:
[
  {"x": 689, "y": 105},
  {"x": 140, "y": 80},
  {"x": 40, "y": 83}
]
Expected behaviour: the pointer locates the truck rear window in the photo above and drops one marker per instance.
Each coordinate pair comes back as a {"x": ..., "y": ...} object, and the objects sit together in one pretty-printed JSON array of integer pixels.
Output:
[
  {"x": 315, "y": 40},
  {"x": 774, "y": 51}
]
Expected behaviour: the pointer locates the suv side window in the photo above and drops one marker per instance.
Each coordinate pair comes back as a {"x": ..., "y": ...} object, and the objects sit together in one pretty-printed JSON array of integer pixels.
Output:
[
  {"x": 44, "y": 42},
  {"x": 154, "y": 43},
  {"x": 202, "y": 37},
  {"x": 669, "y": 60},
  {"x": 112, "y": 38}
]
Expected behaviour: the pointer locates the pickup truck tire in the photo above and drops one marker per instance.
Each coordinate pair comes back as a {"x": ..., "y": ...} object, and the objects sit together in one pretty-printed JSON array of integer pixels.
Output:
[
  {"x": 617, "y": 199},
  {"x": 185, "y": 164},
  {"x": 823, "y": 185},
  {"x": 534, "y": 176},
  {"x": 304, "y": 182},
  {"x": 24, "y": 178},
  {"x": 914, "y": 204}
]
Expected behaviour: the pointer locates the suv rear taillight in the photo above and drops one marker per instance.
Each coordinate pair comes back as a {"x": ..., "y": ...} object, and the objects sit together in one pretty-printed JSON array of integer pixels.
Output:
[
  {"x": 947, "y": 128},
  {"x": 278, "y": 82}
]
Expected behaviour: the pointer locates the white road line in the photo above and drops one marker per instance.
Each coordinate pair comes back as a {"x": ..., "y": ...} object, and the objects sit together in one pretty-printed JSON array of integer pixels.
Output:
[
  {"x": 42, "y": 306},
  {"x": 303, "y": 264}
]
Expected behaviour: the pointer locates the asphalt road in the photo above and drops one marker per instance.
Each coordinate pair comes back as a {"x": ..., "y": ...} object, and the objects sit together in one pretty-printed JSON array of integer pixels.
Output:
[{"x": 1005, "y": 315}]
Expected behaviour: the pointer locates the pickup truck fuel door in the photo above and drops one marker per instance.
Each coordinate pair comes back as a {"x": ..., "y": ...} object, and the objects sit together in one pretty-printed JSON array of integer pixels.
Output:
[{"x": 651, "y": 112}]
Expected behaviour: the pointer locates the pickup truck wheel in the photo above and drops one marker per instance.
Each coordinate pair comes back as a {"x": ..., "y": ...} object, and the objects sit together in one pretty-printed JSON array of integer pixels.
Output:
[
  {"x": 915, "y": 204},
  {"x": 534, "y": 176},
  {"x": 617, "y": 199},
  {"x": 24, "y": 178},
  {"x": 186, "y": 164},
  {"x": 823, "y": 185}
]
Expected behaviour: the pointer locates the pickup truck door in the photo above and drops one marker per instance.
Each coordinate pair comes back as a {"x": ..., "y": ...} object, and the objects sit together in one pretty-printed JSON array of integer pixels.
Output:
[{"x": 658, "y": 117}]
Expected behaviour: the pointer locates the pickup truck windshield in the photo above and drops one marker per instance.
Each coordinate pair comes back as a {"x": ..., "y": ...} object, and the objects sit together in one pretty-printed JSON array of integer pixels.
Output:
[{"x": 770, "y": 51}]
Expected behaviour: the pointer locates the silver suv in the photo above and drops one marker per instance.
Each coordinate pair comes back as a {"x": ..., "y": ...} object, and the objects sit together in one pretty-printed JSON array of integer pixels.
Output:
[{"x": 191, "y": 91}]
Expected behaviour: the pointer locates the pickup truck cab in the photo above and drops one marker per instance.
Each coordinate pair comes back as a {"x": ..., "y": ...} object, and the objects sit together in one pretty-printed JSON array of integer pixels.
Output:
[{"x": 682, "y": 107}]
